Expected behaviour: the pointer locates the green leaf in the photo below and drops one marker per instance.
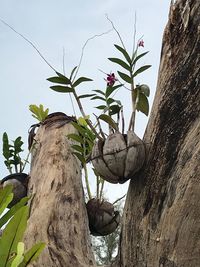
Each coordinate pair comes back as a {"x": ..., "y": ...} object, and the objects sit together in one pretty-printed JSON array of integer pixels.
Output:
[
  {"x": 124, "y": 52},
  {"x": 6, "y": 197},
  {"x": 81, "y": 80},
  {"x": 38, "y": 112},
  {"x": 13, "y": 234},
  {"x": 86, "y": 95},
  {"x": 61, "y": 75},
  {"x": 80, "y": 157},
  {"x": 90, "y": 135},
  {"x": 111, "y": 89},
  {"x": 79, "y": 128},
  {"x": 100, "y": 92},
  {"x": 18, "y": 144},
  {"x": 19, "y": 257},
  {"x": 5, "y": 218},
  {"x": 83, "y": 121},
  {"x": 110, "y": 101},
  {"x": 108, "y": 120},
  {"x": 76, "y": 137},
  {"x": 78, "y": 148},
  {"x": 60, "y": 80},
  {"x": 32, "y": 254},
  {"x": 144, "y": 89},
  {"x": 98, "y": 97},
  {"x": 101, "y": 107},
  {"x": 114, "y": 109},
  {"x": 138, "y": 57},
  {"x": 140, "y": 70},
  {"x": 125, "y": 77},
  {"x": 143, "y": 104},
  {"x": 62, "y": 89},
  {"x": 6, "y": 146},
  {"x": 72, "y": 73},
  {"x": 121, "y": 63}
]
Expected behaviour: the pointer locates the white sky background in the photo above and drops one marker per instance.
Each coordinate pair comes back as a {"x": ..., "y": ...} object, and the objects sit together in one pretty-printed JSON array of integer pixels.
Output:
[{"x": 52, "y": 25}]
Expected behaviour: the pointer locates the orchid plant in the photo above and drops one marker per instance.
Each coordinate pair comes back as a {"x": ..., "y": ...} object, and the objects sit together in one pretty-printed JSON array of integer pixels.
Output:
[{"x": 111, "y": 108}]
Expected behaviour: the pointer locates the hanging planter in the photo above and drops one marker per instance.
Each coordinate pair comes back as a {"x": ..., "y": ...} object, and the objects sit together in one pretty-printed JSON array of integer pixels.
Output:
[
  {"x": 19, "y": 181},
  {"x": 119, "y": 157},
  {"x": 103, "y": 220}
]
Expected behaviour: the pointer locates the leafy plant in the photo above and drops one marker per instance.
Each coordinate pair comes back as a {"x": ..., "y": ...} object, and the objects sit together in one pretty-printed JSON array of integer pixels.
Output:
[
  {"x": 38, "y": 112},
  {"x": 14, "y": 222},
  {"x": 139, "y": 93},
  {"x": 82, "y": 150},
  {"x": 111, "y": 109},
  {"x": 11, "y": 153}
]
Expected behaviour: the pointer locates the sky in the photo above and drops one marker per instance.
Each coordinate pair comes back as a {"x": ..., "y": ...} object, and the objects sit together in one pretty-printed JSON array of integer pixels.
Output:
[{"x": 59, "y": 30}]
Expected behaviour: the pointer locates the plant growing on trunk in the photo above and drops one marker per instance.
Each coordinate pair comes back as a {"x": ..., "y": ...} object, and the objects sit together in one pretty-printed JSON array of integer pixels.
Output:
[
  {"x": 11, "y": 153},
  {"x": 15, "y": 165},
  {"x": 115, "y": 156},
  {"x": 115, "y": 142}
]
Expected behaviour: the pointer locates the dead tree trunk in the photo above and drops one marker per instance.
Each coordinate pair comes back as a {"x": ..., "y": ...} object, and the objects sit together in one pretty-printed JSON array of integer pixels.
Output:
[
  {"x": 58, "y": 214},
  {"x": 161, "y": 223}
]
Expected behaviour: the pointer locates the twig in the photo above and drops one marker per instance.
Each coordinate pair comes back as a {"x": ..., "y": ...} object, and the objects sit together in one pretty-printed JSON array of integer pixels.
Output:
[
  {"x": 87, "y": 182},
  {"x": 65, "y": 75},
  {"x": 134, "y": 34},
  {"x": 31, "y": 43},
  {"x": 83, "y": 48},
  {"x": 118, "y": 199},
  {"x": 123, "y": 121},
  {"x": 97, "y": 190},
  {"x": 101, "y": 191},
  {"x": 120, "y": 38}
]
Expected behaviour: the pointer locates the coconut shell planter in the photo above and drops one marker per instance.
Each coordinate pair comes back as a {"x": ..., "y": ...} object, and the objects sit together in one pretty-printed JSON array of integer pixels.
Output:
[
  {"x": 103, "y": 219},
  {"x": 19, "y": 182},
  {"x": 119, "y": 157}
]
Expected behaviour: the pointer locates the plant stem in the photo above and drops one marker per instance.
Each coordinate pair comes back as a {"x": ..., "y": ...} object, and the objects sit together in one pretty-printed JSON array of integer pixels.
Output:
[
  {"x": 87, "y": 182},
  {"x": 16, "y": 170},
  {"x": 26, "y": 160},
  {"x": 132, "y": 120},
  {"x": 101, "y": 191},
  {"x": 118, "y": 199},
  {"x": 97, "y": 193},
  {"x": 84, "y": 115}
]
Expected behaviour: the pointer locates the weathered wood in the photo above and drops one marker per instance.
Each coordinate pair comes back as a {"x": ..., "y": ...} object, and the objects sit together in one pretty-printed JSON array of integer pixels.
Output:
[
  {"x": 58, "y": 213},
  {"x": 162, "y": 214}
]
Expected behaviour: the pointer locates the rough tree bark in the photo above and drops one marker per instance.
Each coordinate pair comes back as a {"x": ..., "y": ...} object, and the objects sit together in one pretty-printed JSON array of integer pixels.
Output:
[
  {"x": 161, "y": 223},
  {"x": 58, "y": 214}
]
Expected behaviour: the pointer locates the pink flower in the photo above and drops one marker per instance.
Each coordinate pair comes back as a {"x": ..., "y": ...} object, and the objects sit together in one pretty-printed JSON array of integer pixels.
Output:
[
  {"x": 141, "y": 43},
  {"x": 110, "y": 79}
]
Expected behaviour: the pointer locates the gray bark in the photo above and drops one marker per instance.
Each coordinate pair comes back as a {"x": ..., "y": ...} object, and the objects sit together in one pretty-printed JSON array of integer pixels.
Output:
[
  {"x": 162, "y": 215},
  {"x": 58, "y": 213}
]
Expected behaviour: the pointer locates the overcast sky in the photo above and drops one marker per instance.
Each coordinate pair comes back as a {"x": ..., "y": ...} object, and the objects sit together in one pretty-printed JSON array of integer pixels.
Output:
[{"x": 54, "y": 25}]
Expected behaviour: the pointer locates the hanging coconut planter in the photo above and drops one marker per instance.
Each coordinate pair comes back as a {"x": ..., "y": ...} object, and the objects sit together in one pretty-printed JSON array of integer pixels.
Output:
[
  {"x": 19, "y": 181},
  {"x": 103, "y": 219},
  {"x": 119, "y": 157}
]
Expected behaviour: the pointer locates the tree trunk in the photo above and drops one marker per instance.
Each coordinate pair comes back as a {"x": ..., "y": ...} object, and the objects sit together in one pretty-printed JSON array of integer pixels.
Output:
[
  {"x": 58, "y": 213},
  {"x": 161, "y": 222}
]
